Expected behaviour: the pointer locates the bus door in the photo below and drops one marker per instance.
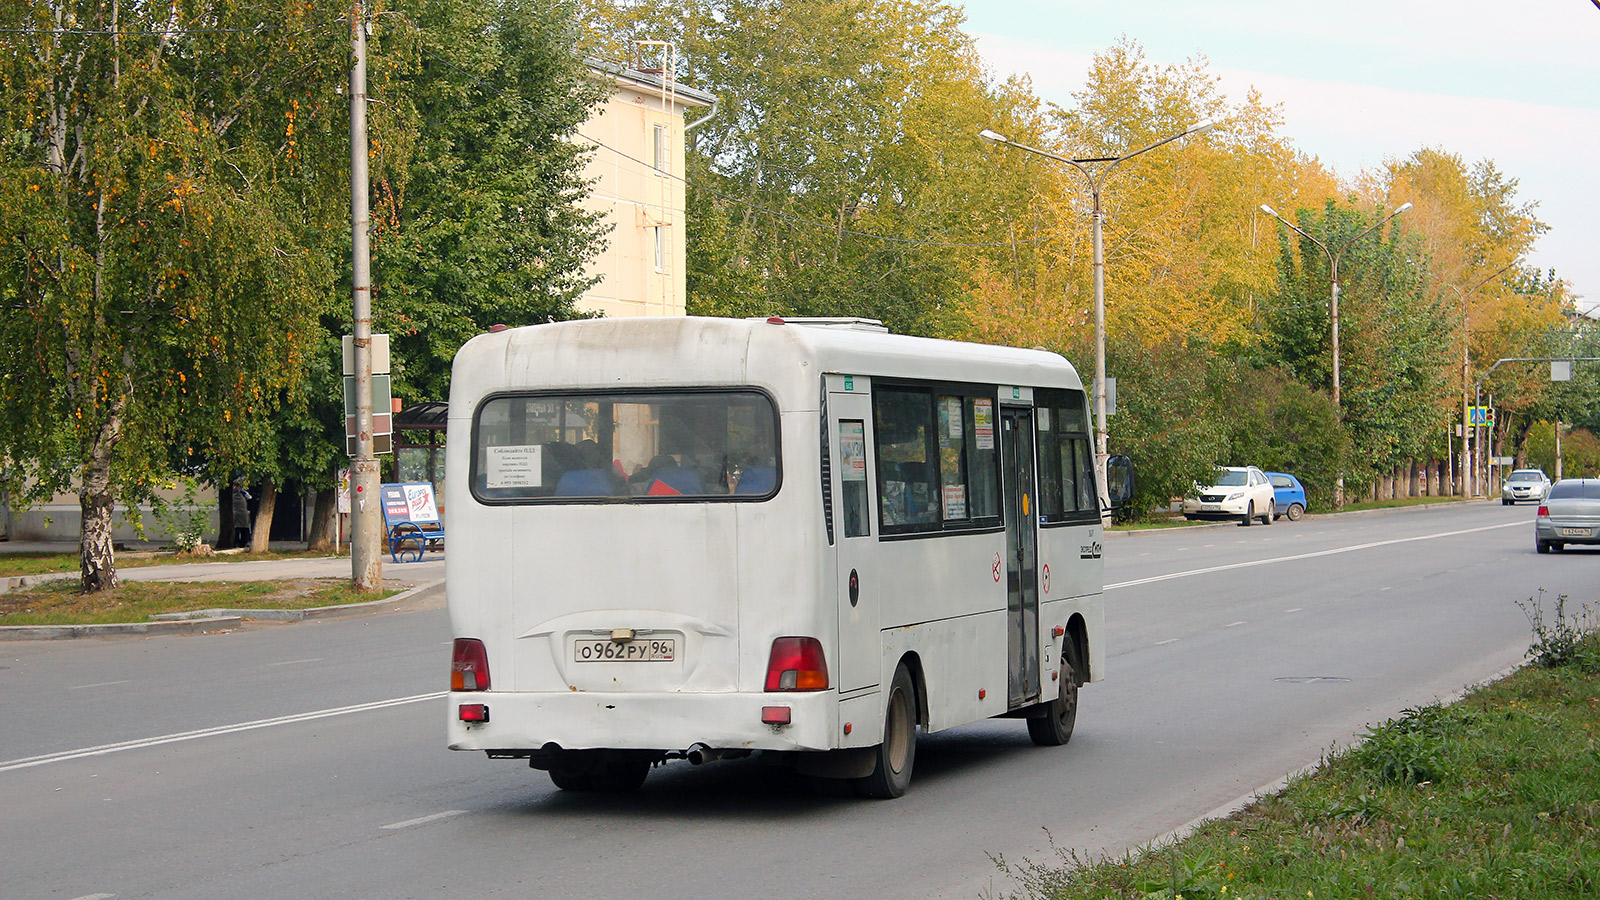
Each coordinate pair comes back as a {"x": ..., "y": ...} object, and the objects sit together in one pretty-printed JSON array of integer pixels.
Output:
[
  {"x": 850, "y": 446},
  {"x": 1022, "y": 554}
]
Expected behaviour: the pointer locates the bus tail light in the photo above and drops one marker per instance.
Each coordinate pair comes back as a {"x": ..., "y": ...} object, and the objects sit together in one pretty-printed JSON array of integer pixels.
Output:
[
  {"x": 469, "y": 666},
  {"x": 796, "y": 664}
]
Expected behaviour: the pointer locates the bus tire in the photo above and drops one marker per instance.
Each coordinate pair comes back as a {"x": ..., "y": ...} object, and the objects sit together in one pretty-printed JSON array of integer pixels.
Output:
[
  {"x": 893, "y": 759},
  {"x": 1055, "y": 729},
  {"x": 620, "y": 776},
  {"x": 568, "y": 779}
]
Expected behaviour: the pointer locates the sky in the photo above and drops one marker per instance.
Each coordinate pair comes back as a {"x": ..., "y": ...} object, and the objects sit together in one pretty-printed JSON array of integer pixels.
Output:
[{"x": 1360, "y": 82}]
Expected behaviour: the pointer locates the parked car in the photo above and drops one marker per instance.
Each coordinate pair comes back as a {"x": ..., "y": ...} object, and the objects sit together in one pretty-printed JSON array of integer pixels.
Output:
[
  {"x": 1569, "y": 515},
  {"x": 1240, "y": 492},
  {"x": 1524, "y": 484},
  {"x": 1288, "y": 494}
]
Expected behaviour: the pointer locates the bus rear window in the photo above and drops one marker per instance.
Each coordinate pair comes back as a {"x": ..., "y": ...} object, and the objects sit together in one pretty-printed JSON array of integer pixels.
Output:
[{"x": 625, "y": 447}]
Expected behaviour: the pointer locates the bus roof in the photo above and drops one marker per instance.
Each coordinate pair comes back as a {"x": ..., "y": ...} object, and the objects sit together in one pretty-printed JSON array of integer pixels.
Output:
[{"x": 784, "y": 356}]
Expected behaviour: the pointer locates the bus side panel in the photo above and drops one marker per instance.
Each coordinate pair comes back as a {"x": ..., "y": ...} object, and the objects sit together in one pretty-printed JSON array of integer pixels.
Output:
[
  {"x": 963, "y": 662},
  {"x": 1076, "y": 569},
  {"x": 941, "y": 599}
]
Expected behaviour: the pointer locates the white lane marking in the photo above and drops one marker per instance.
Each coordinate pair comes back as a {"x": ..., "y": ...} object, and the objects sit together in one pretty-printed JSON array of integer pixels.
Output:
[
  {"x": 1330, "y": 552},
  {"x": 291, "y": 662},
  {"x": 95, "y": 897},
  {"x": 79, "y": 687},
  {"x": 1295, "y": 610},
  {"x": 141, "y": 743},
  {"x": 423, "y": 820},
  {"x": 1167, "y": 641},
  {"x": 1233, "y": 624}
]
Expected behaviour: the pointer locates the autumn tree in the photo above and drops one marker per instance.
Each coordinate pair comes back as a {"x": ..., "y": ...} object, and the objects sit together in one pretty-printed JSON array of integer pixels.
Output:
[{"x": 157, "y": 290}]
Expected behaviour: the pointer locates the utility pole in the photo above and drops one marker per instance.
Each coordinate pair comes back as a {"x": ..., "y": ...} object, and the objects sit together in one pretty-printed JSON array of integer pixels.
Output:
[{"x": 366, "y": 565}]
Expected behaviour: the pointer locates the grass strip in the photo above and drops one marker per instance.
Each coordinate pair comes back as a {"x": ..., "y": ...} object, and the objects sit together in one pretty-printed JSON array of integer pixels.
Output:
[
  {"x": 59, "y": 603},
  {"x": 1494, "y": 796},
  {"x": 45, "y": 562}
]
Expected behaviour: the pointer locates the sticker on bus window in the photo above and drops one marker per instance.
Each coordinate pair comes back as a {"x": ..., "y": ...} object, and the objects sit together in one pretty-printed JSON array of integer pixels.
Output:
[
  {"x": 983, "y": 423},
  {"x": 852, "y": 451},
  {"x": 955, "y": 501},
  {"x": 950, "y": 416},
  {"x": 1044, "y": 418},
  {"x": 515, "y": 466}
]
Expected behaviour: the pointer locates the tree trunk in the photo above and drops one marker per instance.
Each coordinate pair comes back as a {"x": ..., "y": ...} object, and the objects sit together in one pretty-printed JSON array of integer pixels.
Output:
[
  {"x": 320, "y": 540},
  {"x": 1416, "y": 480},
  {"x": 96, "y": 557},
  {"x": 266, "y": 504},
  {"x": 224, "y": 539}
]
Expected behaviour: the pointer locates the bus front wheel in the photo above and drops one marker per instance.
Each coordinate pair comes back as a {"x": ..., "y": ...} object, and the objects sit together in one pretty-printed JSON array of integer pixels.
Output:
[{"x": 891, "y": 771}]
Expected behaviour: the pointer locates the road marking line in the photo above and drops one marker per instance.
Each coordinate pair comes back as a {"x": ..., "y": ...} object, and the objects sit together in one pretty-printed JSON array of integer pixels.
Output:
[
  {"x": 291, "y": 662},
  {"x": 423, "y": 820},
  {"x": 1316, "y": 553},
  {"x": 1232, "y": 624},
  {"x": 1295, "y": 610},
  {"x": 79, "y": 687},
  {"x": 142, "y": 743},
  {"x": 95, "y": 896},
  {"x": 1167, "y": 641}
]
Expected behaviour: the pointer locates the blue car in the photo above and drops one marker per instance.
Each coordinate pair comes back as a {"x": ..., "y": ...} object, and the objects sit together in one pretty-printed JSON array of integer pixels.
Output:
[{"x": 1289, "y": 493}]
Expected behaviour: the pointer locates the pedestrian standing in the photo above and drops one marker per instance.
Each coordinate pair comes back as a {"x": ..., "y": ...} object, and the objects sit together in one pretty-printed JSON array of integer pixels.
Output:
[{"x": 241, "y": 514}]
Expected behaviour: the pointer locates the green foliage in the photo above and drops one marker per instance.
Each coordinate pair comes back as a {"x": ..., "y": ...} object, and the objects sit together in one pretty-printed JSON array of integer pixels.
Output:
[
  {"x": 1394, "y": 338},
  {"x": 843, "y": 175},
  {"x": 1166, "y": 420},
  {"x": 479, "y": 222},
  {"x": 155, "y": 191},
  {"x": 1493, "y": 796},
  {"x": 1281, "y": 425},
  {"x": 1567, "y": 641},
  {"x": 1408, "y": 750},
  {"x": 1580, "y": 450}
]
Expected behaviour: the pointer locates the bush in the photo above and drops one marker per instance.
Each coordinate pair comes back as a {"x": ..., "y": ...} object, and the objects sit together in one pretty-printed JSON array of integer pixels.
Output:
[{"x": 1568, "y": 641}]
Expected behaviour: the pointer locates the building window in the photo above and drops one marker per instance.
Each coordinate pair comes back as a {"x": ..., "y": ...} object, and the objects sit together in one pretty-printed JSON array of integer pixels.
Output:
[
  {"x": 659, "y": 146},
  {"x": 660, "y": 232}
]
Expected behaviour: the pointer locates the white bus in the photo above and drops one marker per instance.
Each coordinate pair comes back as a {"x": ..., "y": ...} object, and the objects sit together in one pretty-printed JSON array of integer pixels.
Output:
[{"x": 695, "y": 538}]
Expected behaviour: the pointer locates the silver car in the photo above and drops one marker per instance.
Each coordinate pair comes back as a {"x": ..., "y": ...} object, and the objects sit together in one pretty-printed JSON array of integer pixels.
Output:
[
  {"x": 1524, "y": 484},
  {"x": 1569, "y": 515}
]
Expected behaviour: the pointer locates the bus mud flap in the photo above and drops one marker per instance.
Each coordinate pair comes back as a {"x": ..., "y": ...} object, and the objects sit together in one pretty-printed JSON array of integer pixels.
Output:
[{"x": 855, "y": 762}]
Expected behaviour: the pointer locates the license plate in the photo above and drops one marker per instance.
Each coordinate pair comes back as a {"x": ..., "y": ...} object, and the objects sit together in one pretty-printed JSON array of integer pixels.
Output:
[
  {"x": 1574, "y": 532},
  {"x": 652, "y": 650},
  {"x": 1210, "y": 507}
]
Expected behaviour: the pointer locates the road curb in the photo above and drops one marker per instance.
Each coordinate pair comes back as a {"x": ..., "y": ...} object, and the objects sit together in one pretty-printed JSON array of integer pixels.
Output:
[{"x": 208, "y": 620}]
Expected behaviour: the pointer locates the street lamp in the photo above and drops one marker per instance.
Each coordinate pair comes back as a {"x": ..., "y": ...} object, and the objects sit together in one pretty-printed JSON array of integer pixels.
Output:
[
  {"x": 1096, "y": 177},
  {"x": 1333, "y": 307},
  {"x": 1469, "y": 473}
]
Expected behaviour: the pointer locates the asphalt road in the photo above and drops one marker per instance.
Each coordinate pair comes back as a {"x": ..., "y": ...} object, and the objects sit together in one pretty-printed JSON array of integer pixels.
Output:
[{"x": 308, "y": 760}]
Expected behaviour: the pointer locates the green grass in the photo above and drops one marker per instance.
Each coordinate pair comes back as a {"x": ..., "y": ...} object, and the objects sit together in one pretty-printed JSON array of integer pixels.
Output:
[
  {"x": 59, "y": 603},
  {"x": 44, "y": 563},
  {"x": 1495, "y": 796}
]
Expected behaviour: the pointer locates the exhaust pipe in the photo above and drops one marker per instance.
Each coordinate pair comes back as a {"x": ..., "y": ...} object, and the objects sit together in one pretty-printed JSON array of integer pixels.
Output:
[{"x": 699, "y": 754}]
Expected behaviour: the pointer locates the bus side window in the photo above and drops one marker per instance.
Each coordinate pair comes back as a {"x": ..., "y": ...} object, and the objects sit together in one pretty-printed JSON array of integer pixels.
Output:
[{"x": 853, "y": 478}]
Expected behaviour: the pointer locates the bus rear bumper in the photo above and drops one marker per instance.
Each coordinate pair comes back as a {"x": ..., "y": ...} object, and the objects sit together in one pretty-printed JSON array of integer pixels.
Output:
[{"x": 626, "y": 721}]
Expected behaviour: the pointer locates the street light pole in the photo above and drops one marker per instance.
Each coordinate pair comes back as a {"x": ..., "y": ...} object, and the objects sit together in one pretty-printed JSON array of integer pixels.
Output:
[
  {"x": 1333, "y": 308},
  {"x": 366, "y": 565},
  {"x": 1095, "y": 178},
  {"x": 1468, "y": 473}
]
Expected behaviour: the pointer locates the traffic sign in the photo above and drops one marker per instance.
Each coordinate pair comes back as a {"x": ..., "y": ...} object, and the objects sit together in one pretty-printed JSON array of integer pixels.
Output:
[{"x": 1480, "y": 415}]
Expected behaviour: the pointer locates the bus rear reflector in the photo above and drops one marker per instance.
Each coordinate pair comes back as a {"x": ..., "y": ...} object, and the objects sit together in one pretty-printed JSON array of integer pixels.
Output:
[
  {"x": 775, "y": 715},
  {"x": 796, "y": 664},
  {"x": 473, "y": 712},
  {"x": 469, "y": 666}
]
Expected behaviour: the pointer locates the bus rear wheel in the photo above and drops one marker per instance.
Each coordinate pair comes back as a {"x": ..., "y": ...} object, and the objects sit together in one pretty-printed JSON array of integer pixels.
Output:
[
  {"x": 893, "y": 759},
  {"x": 1055, "y": 728}
]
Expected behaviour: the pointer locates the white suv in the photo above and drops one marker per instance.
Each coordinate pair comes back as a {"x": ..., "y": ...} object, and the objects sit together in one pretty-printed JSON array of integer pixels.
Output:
[
  {"x": 1524, "y": 484},
  {"x": 1240, "y": 492}
]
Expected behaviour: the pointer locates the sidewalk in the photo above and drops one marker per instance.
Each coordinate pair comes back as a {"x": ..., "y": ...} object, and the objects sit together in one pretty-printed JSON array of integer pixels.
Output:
[{"x": 423, "y": 581}]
